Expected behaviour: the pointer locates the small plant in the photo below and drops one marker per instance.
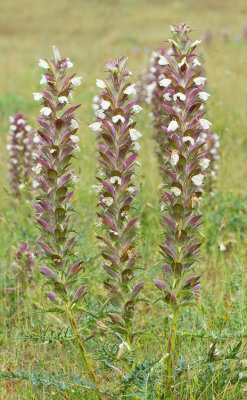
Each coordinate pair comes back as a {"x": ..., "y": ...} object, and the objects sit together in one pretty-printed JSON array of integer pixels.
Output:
[
  {"x": 184, "y": 180},
  {"x": 24, "y": 263},
  {"x": 56, "y": 183},
  {"x": 118, "y": 152},
  {"x": 21, "y": 146}
]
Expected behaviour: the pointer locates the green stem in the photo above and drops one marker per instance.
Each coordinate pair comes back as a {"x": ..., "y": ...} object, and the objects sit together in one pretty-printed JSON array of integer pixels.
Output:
[
  {"x": 171, "y": 351},
  {"x": 85, "y": 358}
]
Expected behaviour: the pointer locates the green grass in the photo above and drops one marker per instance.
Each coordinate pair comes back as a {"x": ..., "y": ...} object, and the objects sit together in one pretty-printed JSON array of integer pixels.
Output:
[{"x": 90, "y": 32}]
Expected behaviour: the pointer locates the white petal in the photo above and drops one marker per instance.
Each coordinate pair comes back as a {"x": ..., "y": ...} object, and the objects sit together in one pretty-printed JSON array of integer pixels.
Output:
[
  {"x": 37, "y": 96},
  {"x": 165, "y": 82},
  {"x": 76, "y": 81},
  {"x": 43, "y": 64},
  {"x": 173, "y": 125},
  {"x": 101, "y": 84},
  {"x": 134, "y": 134}
]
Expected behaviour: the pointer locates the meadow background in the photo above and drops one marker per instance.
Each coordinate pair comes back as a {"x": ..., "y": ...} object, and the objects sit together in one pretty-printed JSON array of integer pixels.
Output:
[{"x": 91, "y": 32}]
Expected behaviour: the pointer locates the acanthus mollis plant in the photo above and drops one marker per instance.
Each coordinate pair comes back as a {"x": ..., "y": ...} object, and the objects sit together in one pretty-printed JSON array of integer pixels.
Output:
[
  {"x": 24, "y": 263},
  {"x": 22, "y": 144},
  {"x": 185, "y": 173},
  {"x": 56, "y": 180},
  {"x": 118, "y": 152},
  {"x": 155, "y": 93}
]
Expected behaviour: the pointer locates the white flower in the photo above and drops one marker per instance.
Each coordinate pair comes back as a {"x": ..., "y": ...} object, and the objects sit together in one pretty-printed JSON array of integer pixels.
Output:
[
  {"x": 195, "y": 43},
  {"x": 179, "y": 95},
  {"x": 74, "y": 124},
  {"x": 74, "y": 138},
  {"x": 101, "y": 84},
  {"x": 36, "y": 139},
  {"x": 167, "y": 97},
  {"x": 100, "y": 114},
  {"x": 136, "y": 146},
  {"x": 76, "y": 81},
  {"x": 117, "y": 118},
  {"x": 182, "y": 62},
  {"x": 37, "y": 96},
  {"x": 136, "y": 108},
  {"x": 43, "y": 80},
  {"x": 153, "y": 70},
  {"x": 197, "y": 179},
  {"x": 21, "y": 121},
  {"x": 115, "y": 179},
  {"x": 131, "y": 189},
  {"x": 203, "y": 95},
  {"x": 35, "y": 184},
  {"x": 174, "y": 157},
  {"x": 43, "y": 64},
  {"x": 199, "y": 81},
  {"x": 176, "y": 191},
  {"x": 96, "y": 126},
  {"x": 173, "y": 125},
  {"x": 75, "y": 178},
  {"x": 98, "y": 222},
  {"x": 196, "y": 62},
  {"x": 205, "y": 124},
  {"x": 63, "y": 99},
  {"x": 77, "y": 148},
  {"x": 12, "y": 128},
  {"x": 130, "y": 90},
  {"x": 19, "y": 134},
  {"x": 108, "y": 201},
  {"x": 124, "y": 214},
  {"x": 189, "y": 139},
  {"x": 204, "y": 163},
  {"x": 95, "y": 107},
  {"x": 46, "y": 111},
  {"x": 14, "y": 160},
  {"x": 69, "y": 63},
  {"x": 21, "y": 186},
  {"x": 97, "y": 187},
  {"x": 95, "y": 99},
  {"x": 165, "y": 82},
  {"x": 11, "y": 119},
  {"x": 105, "y": 104},
  {"x": 134, "y": 134},
  {"x": 222, "y": 247},
  {"x": 9, "y": 147},
  {"x": 162, "y": 60},
  {"x": 201, "y": 107},
  {"x": 37, "y": 168}
]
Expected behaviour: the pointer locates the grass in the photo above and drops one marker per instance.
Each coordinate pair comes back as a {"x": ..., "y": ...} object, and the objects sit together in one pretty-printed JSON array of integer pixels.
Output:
[{"x": 90, "y": 32}]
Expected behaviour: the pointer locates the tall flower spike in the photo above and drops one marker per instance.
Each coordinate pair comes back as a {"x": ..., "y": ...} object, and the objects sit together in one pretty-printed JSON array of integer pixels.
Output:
[
  {"x": 118, "y": 151},
  {"x": 22, "y": 143},
  {"x": 184, "y": 177},
  {"x": 56, "y": 179}
]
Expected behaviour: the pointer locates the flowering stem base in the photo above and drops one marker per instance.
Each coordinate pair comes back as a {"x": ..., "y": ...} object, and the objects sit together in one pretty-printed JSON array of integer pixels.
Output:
[
  {"x": 86, "y": 361},
  {"x": 171, "y": 351}
]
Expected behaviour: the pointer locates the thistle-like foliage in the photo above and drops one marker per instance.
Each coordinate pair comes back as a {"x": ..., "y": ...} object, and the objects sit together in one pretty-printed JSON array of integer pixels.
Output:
[
  {"x": 187, "y": 166},
  {"x": 21, "y": 146},
  {"x": 118, "y": 151},
  {"x": 56, "y": 180}
]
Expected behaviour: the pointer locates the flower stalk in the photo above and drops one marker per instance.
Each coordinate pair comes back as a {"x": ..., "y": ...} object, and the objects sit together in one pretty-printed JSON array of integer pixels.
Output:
[
  {"x": 118, "y": 152},
  {"x": 183, "y": 179},
  {"x": 56, "y": 181},
  {"x": 22, "y": 142}
]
